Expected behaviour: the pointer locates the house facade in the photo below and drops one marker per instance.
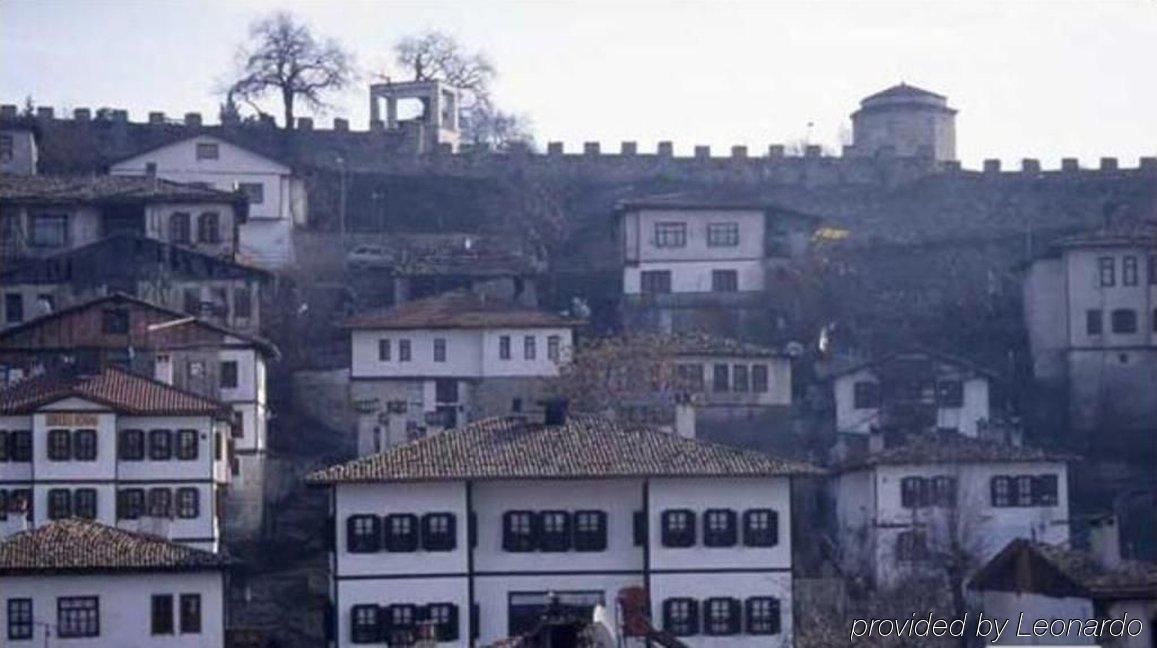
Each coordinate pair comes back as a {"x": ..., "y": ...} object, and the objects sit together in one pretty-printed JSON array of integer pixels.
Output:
[
  {"x": 902, "y": 509},
  {"x": 117, "y": 448},
  {"x": 438, "y": 362},
  {"x": 82, "y": 583},
  {"x": 473, "y": 529},
  {"x": 18, "y": 151},
  {"x": 175, "y": 349},
  {"x": 276, "y": 195}
]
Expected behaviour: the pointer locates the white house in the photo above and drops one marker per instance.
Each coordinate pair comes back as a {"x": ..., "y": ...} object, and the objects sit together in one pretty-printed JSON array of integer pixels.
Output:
[
  {"x": 1047, "y": 582},
  {"x": 114, "y": 447},
  {"x": 898, "y": 508},
  {"x": 471, "y": 529},
  {"x": 456, "y": 357},
  {"x": 82, "y": 583},
  {"x": 277, "y": 197}
]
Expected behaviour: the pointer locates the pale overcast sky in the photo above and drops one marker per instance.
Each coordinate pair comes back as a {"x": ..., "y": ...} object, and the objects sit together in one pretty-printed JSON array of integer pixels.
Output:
[{"x": 1031, "y": 79}]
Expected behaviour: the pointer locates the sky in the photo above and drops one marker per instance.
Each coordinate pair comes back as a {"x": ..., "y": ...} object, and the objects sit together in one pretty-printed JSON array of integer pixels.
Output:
[{"x": 1040, "y": 79}]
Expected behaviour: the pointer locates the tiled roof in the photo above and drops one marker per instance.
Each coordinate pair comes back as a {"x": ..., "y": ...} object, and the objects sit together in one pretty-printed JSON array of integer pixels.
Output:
[
  {"x": 952, "y": 448},
  {"x": 1013, "y": 567},
  {"x": 419, "y": 254},
  {"x": 1124, "y": 233},
  {"x": 118, "y": 389},
  {"x": 457, "y": 309},
  {"x": 84, "y": 545},
  {"x": 584, "y": 447},
  {"x": 909, "y": 353},
  {"x": 708, "y": 198},
  {"x": 704, "y": 344},
  {"x": 47, "y": 189},
  {"x": 903, "y": 90}
]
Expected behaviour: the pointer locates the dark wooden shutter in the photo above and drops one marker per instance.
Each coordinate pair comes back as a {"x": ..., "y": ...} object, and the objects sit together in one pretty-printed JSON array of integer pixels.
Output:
[
  {"x": 449, "y": 631},
  {"x": 640, "y": 528},
  {"x": 694, "y": 605},
  {"x": 734, "y": 616},
  {"x": 731, "y": 536},
  {"x": 475, "y": 621}
]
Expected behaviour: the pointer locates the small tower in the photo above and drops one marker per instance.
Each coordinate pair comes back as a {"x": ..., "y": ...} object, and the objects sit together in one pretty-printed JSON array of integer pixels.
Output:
[
  {"x": 904, "y": 121},
  {"x": 435, "y": 122}
]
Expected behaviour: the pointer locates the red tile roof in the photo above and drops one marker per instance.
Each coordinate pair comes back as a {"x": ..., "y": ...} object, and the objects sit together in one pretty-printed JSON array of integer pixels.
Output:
[
  {"x": 116, "y": 388},
  {"x": 954, "y": 448},
  {"x": 584, "y": 447},
  {"x": 85, "y": 545},
  {"x": 458, "y": 309}
]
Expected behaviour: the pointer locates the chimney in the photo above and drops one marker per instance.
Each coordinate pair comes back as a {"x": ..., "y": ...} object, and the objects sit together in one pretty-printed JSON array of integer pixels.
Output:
[
  {"x": 193, "y": 120},
  {"x": 684, "y": 417},
  {"x": 875, "y": 441},
  {"x": 1105, "y": 541},
  {"x": 555, "y": 412}
]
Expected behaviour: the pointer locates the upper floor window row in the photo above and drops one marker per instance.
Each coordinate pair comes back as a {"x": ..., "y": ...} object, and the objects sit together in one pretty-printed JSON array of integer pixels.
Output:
[
  {"x": 1024, "y": 490},
  {"x": 720, "y": 528},
  {"x": 161, "y": 445},
  {"x": 737, "y": 378},
  {"x": 1130, "y": 271},
  {"x": 64, "y": 503},
  {"x": 919, "y": 492},
  {"x": 1121, "y": 321},
  {"x": 868, "y": 394},
  {"x": 401, "y": 532},
  {"x": 16, "y": 445},
  {"x": 135, "y": 503},
  {"x": 673, "y": 234},
  {"x": 72, "y": 445},
  {"x": 722, "y": 234},
  {"x": 386, "y": 351},
  {"x": 554, "y": 531},
  {"x": 722, "y": 616}
]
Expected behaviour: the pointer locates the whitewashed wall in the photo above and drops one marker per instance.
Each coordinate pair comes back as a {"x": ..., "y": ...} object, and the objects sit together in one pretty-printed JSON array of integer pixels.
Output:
[{"x": 469, "y": 353}]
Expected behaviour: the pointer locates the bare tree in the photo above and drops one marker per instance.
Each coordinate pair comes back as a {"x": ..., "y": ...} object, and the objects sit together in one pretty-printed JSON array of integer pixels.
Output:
[{"x": 287, "y": 59}]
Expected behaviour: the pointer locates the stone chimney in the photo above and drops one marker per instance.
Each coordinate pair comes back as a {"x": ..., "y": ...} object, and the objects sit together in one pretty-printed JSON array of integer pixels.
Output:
[
  {"x": 1105, "y": 541},
  {"x": 685, "y": 418},
  {"x": 875, "y": 441}
]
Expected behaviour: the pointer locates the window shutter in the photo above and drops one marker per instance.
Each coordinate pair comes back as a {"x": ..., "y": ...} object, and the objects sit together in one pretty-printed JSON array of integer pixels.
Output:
[
  {"x": 535, "y": 530},
  {"x": 731, "y": 536},
  {"x": 667, "y": 605},
  {"x": 472, "y": 529},
  {"x": 775, "y": 617},
  {"x": 640, "y": 528},
  {"x": 451, "y": 626},
  {"x": 350, "y": 543},
  {"x": 734, "y": 616},
  {"x": 508, "y": 541},
  {"x": 694, "y": 614},
  {"x": 475, "y": 621},
  {"x": 773, "y": 527},
  {"x": 385, "y": 623}
]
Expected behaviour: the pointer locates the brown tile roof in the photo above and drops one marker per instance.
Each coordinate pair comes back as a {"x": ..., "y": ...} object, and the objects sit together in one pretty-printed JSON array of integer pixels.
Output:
[
  {"x": 952, "y": 448},
  {"x": 48, "y": 189},
  {"x": 584, "y": 447},
  {"x": 85, "y": 545},
  {"x": 703, "y": 344},
  {"x": 457, "y": 309},
  {"x": 421, "y": 254},
  {"x": 1077, "y": 573},
  {"x": 122, "y": 391}
]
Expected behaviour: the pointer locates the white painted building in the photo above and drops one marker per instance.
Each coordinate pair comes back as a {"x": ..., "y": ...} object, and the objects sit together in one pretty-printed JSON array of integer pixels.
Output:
[
  {"x": 277, "y": 197},
  {"x": 117, "y": 448},
  {"x": 474, "y": 527},
  {"x": 19, "y": 154},
  {"x": 82, "y": 583},
  {"x": 898, "y": 508},
  {"x": 438, "y": 362},
  {"x": 1045, "y": 582}
]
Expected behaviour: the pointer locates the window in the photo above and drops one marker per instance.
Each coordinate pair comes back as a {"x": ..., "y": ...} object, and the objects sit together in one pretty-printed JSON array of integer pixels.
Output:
[
  {"x": 1023, "y": 484},
  {"x": 724, "y": 281},
  {"x": 401, "y": 621},
  {"x": 914, "y": 492},
  {"x": 763, "y": 616},
  {"x": 721, "y": 616},
  {"x": 401, "y": 532},
  {"x": 3, "y": 445},
  {"x": 950, "y": 393},
  {"x": 1001, "y": 491},
  {"x": 1124, "y": 320},
  {"x": 866, "y": 394},
  {"x": 7, "y": 147},
  {"x": 188, "y": 503},
  {"x": 209, "y": 228},
  {"x": 20, "y": 501},
  {"x": 1129, "y": 271},
  {"x": 740, "y": 382},
  {"x": 555, "y": 531},
  {"x": 207, "y": 151},
  {"x": 1107, "y": 271},
  {"x": 254, "y": 191},
  {"x": 518, "y": 531},
  {"x": 59, "y": 445},
  {"x": 162, "y": 614},
  {"x": 180, "y": 228},
  {"x": 722, "y": 234},
  {"x": 403, "y": 350},
  {"x": 504, "y": 347},
  {"x": 590, "y": 531},
  {"x": 670, "y": 234},
  {"x": 439, "y": 532},
  {"x": 553, "y": 347},
  {"x": 190, "y": 614},
  {"x": 528, "y": 348},
  {"x": 1044, "y": 490},
  {"x": 384, "y": 349},
  {"x": 132, "y": 445},
  {"x": 191, "y": 301},
  {"x": 19, "y": 618},
  {"x": 77, "y": 616},
  {"x": 760, "y": 528},
  {"x": 655, "y": 282},
  {"x": 678, "y": 528},
  {"x": 1093, "y": 325},
  {"x": 365, "y": 626},
  {"x": 944, "y": 491},
  {"x": 719, "y": 528},
  {"x": 242, "y": 303},
  {"x": 719, "y": 378},
  {"x": 681, "y": 616},
  {"x": 444, "y": 617},
  {"x": 130, "y": 504},
  {"x": 13, "y": 308},
  {"x": 229, "y": 374},
  {"x": 20, "y": 445},
  {"x": 160, "y": 502},
  {"x": 160, "y": 445},
  {"x": 439, "y": 349},
  {"x": 84, "y": 503},
  {"x": 363, "y": 533},
  {"x": 84, "y": 445},
  {"x": 911, "y": 546},
  {"x": 48, "y": 230},
  {"x": 759, "y": 382}
]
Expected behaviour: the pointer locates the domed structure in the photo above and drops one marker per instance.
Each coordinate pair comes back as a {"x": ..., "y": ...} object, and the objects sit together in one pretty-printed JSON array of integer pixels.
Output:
[{"x": 904, "y": 121}]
